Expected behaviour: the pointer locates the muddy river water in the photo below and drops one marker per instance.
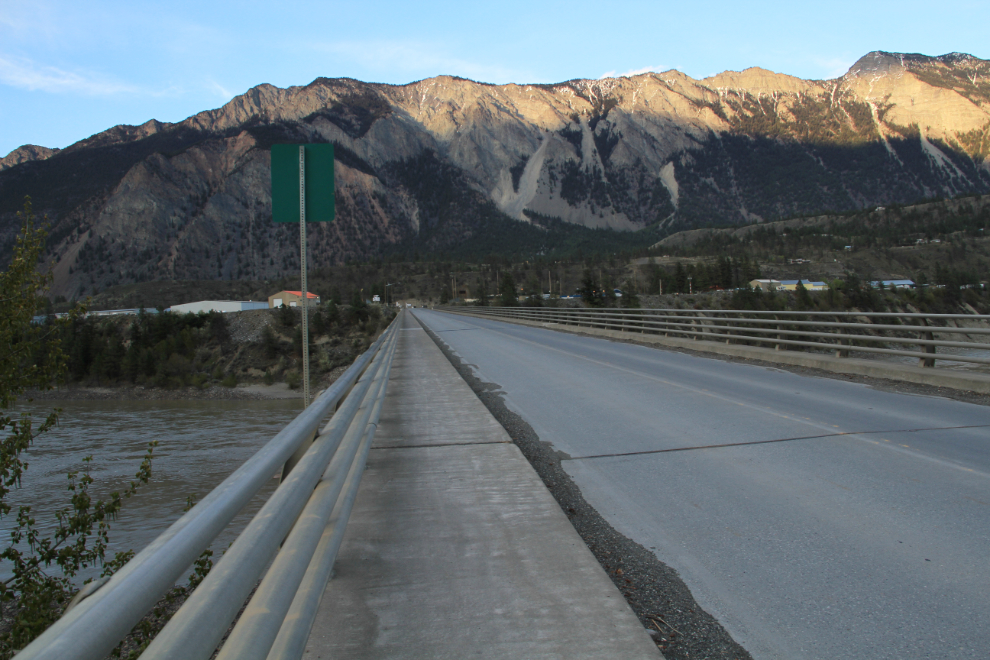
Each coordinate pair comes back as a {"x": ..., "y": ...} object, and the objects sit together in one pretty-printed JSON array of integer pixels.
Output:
[{"x": 199, "y": 444}]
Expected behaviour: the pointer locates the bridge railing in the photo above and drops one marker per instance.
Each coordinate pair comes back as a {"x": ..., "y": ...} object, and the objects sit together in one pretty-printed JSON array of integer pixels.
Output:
[
  {"x": 295, "y": 535},
  {"x": 910, "y": 335}
]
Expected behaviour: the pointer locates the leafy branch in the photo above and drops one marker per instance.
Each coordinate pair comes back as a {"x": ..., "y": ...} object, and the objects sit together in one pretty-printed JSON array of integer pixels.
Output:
[{"x": 31, "y": 357}]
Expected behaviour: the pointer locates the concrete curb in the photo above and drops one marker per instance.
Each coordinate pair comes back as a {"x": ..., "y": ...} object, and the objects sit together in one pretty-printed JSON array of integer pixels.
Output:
[{"x": 874, "y": 368}]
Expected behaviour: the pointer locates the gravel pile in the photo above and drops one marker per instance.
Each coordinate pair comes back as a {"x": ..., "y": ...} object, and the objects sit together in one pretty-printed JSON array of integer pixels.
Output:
[
  {"x": 658, "y": 596},
  {"x": 246, "y": 327}
]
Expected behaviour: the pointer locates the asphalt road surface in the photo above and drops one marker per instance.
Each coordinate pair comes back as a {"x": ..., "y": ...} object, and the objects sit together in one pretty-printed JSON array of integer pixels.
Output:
[{"x": 815, "y": 518}]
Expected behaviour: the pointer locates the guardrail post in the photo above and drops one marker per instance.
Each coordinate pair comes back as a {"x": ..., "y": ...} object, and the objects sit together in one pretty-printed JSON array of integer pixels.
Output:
[
  {"x": 777, "y": 346},
  {"x": 926, "y": 348}
]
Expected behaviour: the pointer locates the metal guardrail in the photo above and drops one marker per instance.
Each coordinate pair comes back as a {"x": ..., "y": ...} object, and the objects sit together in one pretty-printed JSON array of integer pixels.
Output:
[
  {"x": 306, "y": 515},
  {"x": 866, "y": 332}
]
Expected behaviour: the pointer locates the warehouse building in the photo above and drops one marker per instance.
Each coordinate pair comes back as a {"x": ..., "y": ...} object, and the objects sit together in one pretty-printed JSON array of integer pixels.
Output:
[
  {"x": 810, "y": 285},
  {"x": 291, "y": 299},
  {"x": 217, "y": 306}
]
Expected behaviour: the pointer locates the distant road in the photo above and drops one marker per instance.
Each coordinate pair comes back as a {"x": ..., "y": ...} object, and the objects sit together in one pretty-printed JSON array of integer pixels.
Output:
[{"x": 834, "y": 521}]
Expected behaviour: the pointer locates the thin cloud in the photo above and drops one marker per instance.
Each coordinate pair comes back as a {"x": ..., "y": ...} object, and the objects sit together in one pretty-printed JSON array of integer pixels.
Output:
[
  {"x": 29, "y": 75},
  {"x": 28, "y": 21},
  {"x": 634, "y": 72},
  {"x": 221, "y": 90}
]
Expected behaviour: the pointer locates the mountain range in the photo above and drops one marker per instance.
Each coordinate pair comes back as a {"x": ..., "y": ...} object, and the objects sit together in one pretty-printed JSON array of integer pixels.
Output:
[{"x": 455, "y": 166}]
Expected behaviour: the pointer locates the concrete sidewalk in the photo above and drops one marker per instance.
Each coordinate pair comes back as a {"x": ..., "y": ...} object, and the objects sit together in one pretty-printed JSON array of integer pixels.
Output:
[{"x": 455, "y": 548}]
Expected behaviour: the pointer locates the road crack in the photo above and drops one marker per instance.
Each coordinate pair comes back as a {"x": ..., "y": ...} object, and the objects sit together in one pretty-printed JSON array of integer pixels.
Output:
[{"x": 772, "y": 441}]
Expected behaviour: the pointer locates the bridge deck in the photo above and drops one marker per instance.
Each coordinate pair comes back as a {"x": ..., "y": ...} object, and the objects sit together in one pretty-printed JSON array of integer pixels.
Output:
[{"x": 455, "y": 548}]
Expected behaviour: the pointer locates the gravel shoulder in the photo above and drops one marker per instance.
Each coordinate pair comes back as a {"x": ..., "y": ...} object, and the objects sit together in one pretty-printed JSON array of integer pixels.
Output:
[{"x": 656, "y": 593}]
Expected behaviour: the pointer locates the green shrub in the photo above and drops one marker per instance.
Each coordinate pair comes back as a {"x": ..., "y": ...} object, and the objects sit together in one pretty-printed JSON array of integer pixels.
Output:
[
  {"x": 287, "y": 316},
  {"x": 269, "y": 342},
  {"x": 294, "y": 380},
  {"x": 42, "y": 567},
  {"x": 230, "y": 380}
]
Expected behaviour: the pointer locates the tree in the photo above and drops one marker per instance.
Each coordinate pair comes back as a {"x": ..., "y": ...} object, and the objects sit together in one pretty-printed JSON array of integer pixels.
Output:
[
  {"x": 803, "y": 297},
  {"x": 481, "y": 293},
  {"x": 507, "y": 291},
  {"x": 269, "y": 342},
  {"x": 218, "y": 327},
  {"x": 31, "y": 357},
  {"x": 319, "y": 323},
  {"x": 630, "y": 297},
  {"x": 608, "y": 290},
  {"x": 286, "y": 316},
  {"x": 534, "y": 293},
  {"x": 589, "y": 289},
  {"x": 332, "y": 313}
]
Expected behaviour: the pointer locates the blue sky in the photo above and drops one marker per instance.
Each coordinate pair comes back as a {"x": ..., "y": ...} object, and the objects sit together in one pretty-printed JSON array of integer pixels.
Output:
[{"x": 72, "y": 69}]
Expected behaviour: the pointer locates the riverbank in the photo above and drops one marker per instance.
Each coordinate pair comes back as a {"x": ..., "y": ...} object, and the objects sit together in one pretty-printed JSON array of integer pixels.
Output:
[
  {"x": 241, "y": 392},
  {"x": 140, "y": 393}
]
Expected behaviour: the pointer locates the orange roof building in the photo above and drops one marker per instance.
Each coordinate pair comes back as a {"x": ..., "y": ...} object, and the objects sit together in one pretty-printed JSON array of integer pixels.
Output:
[{"x": 291, "y": 299}]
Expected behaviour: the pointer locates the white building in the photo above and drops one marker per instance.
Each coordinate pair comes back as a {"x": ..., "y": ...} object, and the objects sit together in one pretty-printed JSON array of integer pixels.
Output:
[
  {"x": 217, "y": 306},
  {"x": 892, "y": 284},
  {"x": 766, "y": 285}
]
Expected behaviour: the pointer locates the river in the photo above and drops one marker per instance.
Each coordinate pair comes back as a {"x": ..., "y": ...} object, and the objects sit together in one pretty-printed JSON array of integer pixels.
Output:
[{"x": 199, "y": 444}]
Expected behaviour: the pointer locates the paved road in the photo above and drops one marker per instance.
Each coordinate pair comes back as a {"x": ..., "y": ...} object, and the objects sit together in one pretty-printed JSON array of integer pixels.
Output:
[{"x": 861, "y": 531}]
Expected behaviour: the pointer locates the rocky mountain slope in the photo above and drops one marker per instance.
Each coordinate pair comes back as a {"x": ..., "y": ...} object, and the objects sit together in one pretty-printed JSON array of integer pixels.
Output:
[
  {"x": 24, "y": 154},
  {"x": 448, "y": 164}
]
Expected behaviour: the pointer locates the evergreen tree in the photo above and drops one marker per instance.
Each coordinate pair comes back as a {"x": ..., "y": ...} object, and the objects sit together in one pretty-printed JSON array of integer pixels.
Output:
[
  {"x": 508, "y": 297},
  {"x": 589, "y": 289},
  {"x": 629, "y": 299},
  {"x": 803, "y": 297},
  {"x": 481, "y": 293}
]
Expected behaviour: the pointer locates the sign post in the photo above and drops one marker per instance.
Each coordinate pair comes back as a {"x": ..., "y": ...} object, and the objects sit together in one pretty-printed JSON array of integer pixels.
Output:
[
  {"x": 303, "y": 191},
  {"x": 302, "y": 277}
]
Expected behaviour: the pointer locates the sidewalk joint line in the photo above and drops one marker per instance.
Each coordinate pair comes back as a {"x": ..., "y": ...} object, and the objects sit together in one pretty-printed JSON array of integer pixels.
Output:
[{"x": 448, "y": 444}]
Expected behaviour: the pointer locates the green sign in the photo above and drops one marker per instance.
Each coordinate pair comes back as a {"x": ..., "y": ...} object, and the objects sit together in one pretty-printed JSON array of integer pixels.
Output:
[{"x": 319, "y": 182}]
